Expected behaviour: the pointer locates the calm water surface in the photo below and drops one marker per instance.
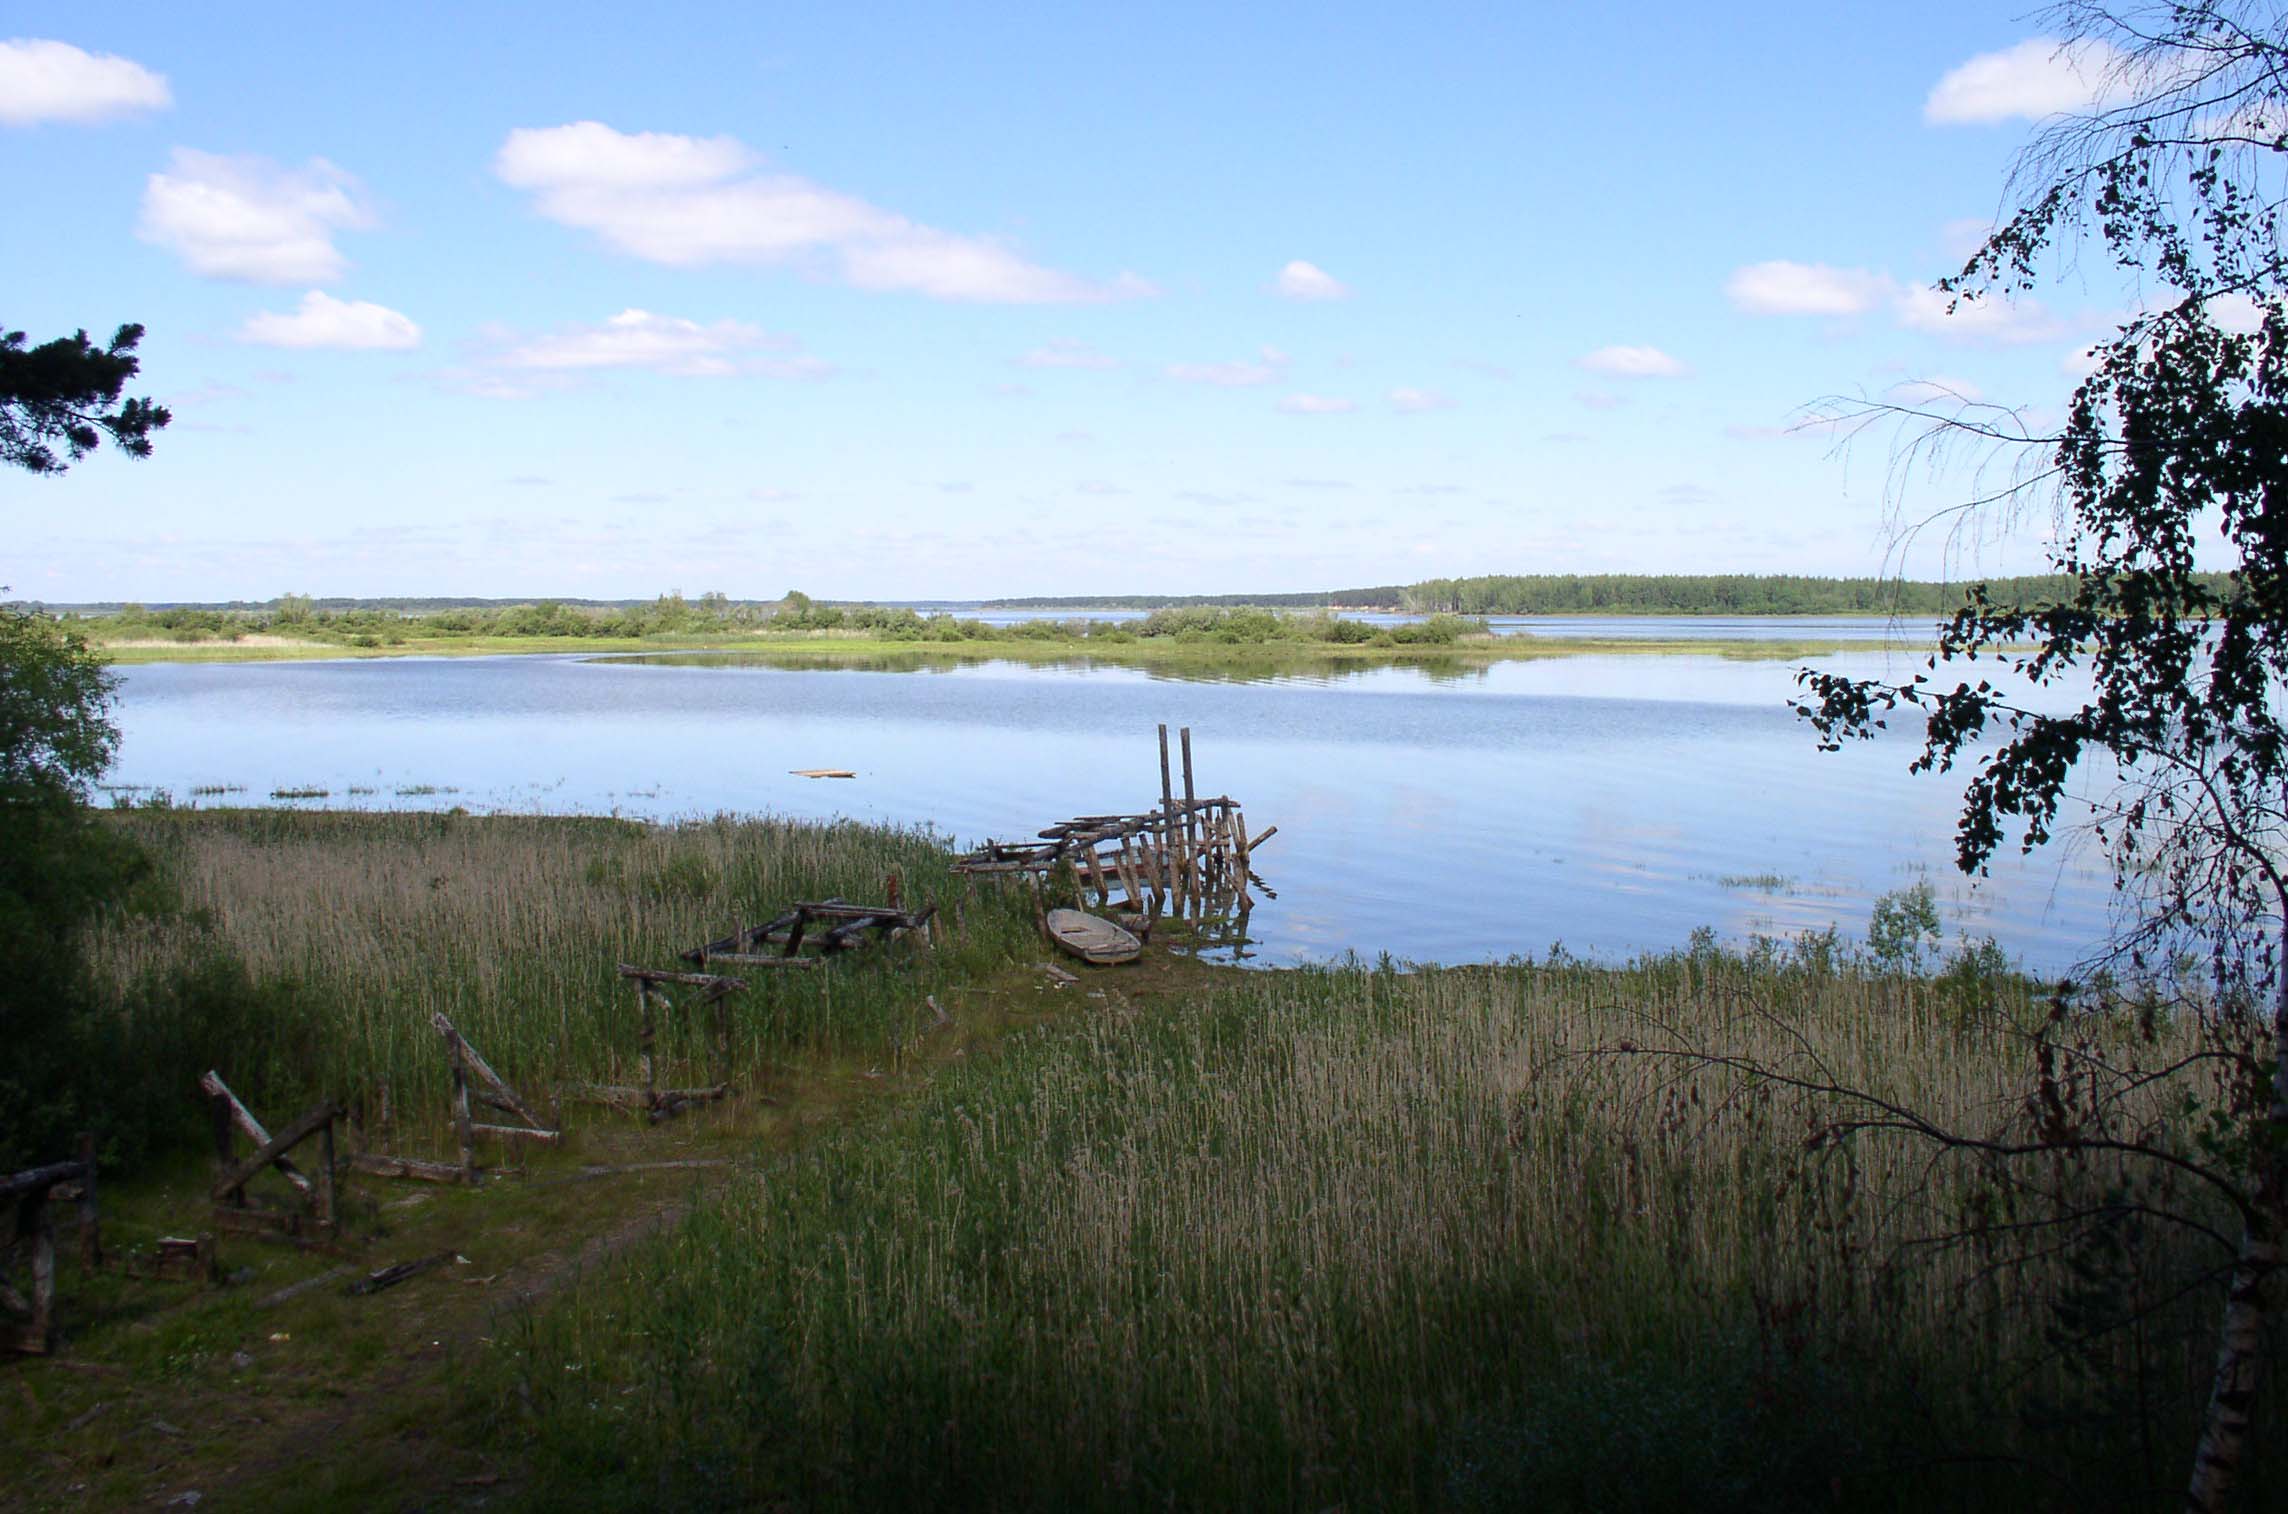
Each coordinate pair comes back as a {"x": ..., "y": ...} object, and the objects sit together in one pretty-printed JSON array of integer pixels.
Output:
[{"x": 1611, "y": 804}]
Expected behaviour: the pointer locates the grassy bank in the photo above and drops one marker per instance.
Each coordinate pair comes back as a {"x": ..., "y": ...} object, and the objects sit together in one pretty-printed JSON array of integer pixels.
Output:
[
  {"x": 1174, "y": 1235},
  {"x": 826, "y": 648}
]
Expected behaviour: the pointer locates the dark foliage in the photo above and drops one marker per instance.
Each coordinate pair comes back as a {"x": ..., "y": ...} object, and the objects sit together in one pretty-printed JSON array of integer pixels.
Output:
[{"x": 66, "y": 394}]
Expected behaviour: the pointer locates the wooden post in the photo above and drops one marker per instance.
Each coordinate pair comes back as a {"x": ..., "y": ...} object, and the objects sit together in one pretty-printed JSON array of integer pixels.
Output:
[
  {"x": 462, "y": 1120},
  {"x": 643, "y": 1039},
  {"x": 34, "y": 1223},
  {"x": 325, "y": 1195},
  {"x": 1169, "y": 848},
  {"x": 723, "y": 1018},
  {"x": 1192, "y": 854},
  {"x": 219, "y": 1109},
  {"x": 1239, "y": 839},
  {"x": 90, "y": 1222}
]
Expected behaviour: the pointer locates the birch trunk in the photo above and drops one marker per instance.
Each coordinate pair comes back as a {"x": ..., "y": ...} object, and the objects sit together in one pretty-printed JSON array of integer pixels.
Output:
[{"x": 2232, "y": 1399}]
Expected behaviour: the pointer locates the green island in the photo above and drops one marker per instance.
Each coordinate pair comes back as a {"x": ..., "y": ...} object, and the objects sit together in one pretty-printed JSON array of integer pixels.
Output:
[
  {"x": 1173, "y": 1233},
  {"x": 1182, "y": 634}
]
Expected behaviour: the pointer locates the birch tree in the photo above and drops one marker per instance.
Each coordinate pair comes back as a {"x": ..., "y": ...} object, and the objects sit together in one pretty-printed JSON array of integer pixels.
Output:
[{"x": 2173, "y": 456}]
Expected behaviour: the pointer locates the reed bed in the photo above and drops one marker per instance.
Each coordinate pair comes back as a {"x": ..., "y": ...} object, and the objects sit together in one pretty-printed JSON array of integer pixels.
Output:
[
  {"x": 346, "y": 932},
  {"x": 1356, "y": 1238}
]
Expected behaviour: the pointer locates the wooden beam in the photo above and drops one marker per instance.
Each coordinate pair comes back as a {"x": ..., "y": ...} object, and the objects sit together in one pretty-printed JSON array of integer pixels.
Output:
[
  {"x": 312, "y": 1121},
  {"x": 240, "y": 1116}
]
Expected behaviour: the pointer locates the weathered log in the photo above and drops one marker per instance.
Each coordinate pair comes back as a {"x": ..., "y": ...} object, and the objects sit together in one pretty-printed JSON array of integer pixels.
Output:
[
  {"x": 381, "y": 1166},
  {"x": 390, "y": 1277},
  {"x": 653, "y": 976},
  {"x": 519, "y": 1133},
  {"x": 749, "y": 959}
]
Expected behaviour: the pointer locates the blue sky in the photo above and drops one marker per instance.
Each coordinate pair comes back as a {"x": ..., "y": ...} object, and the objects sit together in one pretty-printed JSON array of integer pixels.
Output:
[{"x": 896, "y": 302}]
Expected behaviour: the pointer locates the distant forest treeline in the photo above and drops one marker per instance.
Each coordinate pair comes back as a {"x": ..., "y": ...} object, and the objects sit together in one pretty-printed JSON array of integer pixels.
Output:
[
  {"x": 1337, "y": 599},
  {"x": 1625, "y": 594}
]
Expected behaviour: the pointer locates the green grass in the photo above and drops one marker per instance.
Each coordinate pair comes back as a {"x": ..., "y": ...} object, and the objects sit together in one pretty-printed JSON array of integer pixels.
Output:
[{"x": 1348, "y": 1238}]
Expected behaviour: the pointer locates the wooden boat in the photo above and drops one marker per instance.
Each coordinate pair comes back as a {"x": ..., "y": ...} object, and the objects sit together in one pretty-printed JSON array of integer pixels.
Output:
[{"x": 1092, "y": 939}]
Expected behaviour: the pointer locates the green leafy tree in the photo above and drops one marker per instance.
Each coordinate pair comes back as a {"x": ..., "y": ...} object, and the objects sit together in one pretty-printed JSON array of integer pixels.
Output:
[
  {"x": 58, "y": 868},
  {"x": 2173, "y": 451},
  {"x": 66, "y": 394}
]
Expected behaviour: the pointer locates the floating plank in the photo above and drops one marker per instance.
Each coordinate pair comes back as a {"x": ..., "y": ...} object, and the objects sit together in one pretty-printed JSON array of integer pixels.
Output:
[{"x": 822, "y": 772}]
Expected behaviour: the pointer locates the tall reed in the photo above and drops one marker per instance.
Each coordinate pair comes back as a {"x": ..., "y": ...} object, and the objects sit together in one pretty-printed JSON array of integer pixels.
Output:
[
  {"x": 356, "y": 928},
  {"x": 1366, "y": 1239}
]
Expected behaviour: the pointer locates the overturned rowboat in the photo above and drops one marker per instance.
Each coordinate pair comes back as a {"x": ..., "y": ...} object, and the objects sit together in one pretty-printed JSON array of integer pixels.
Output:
[{"x": 1092, "y": 939}]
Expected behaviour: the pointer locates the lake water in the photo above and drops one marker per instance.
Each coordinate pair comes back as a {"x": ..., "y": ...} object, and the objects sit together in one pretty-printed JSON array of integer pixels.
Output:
[{"x": 1609, "y": 803}]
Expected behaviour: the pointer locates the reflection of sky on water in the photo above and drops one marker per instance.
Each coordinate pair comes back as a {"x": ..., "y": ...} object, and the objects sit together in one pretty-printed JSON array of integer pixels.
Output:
[{"x": 1601, "y": 802}]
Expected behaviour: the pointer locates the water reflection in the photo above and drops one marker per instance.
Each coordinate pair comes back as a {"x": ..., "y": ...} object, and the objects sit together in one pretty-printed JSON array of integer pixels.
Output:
[{"x": 1456, "y": 812}]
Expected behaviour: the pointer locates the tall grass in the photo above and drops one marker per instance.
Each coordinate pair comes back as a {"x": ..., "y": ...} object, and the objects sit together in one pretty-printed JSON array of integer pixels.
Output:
[
  {"x": 349, "y": 931},
  {"x": 1351, "y": 1238}
]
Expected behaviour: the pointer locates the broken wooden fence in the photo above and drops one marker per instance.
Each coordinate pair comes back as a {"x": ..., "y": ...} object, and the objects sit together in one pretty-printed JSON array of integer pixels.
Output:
[
  {"x": 314, "y": 1212},
  {"x": 28, "y": 1319},
  {"x": 847, "y": 926},
  {"x": 473, "y": 1079},
  {"x": 652, "y": 999}
]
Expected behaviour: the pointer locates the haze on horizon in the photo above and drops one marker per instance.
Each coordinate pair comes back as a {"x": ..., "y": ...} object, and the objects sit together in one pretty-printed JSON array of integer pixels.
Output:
[{"x": 887, "y": 304}]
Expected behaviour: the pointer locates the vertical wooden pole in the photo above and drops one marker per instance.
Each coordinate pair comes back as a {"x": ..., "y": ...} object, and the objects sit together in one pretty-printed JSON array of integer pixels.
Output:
[
  {"x": 381, "y": 1097},
  {"x": 36, "y": 1224},
  {"x": 1192, "y": 858},
  {"x": 1239, "y": 838},
  {"x": 723, "y": 1020},
  {"x": 325, "y": 1189},
  {"x": 1168, "y": 844},
  {"x": 90, "y": 1220},
  {"x": 461, "y": 1117},
  {"x": 218, "y": 1108},
  {"x": 643, "y": 1040}
]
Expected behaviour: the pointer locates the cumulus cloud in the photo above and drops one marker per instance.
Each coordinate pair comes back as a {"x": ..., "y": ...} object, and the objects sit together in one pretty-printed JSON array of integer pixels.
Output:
[
  {"x": 1067, "y": 354},
  {"x": 249, "y": 218},
  {"x": 1316, "y": 404},
  {"x": 1244, "y": 374},
  {"x": 1785, "y": 288},
  {"x": 323, "y": 321},
  {"x": 661, "y": 344},
  {"x": 43, "y": 80},
  {"x": 690, "y": 201},
  {"x": 2040, "y": 77},
  {"x": 1308, "y": 281},
  {"x": 1416, "y": 401},
  {"x": 1632, "y": 362},
  {"x": 2010, "y": 323}
]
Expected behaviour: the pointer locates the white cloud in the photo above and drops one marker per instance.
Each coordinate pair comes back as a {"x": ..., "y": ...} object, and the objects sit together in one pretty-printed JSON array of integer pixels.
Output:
[
  {"x": 689, "y": 201},
  {"x": 1416, "y": 401},
  {"x": 2010, "y": 323},
  {"x": 1784, "y": 288},
  {"x": 1316, "y": 404},
  {"x": 1240, "y": 375},
  {"x": 1939, "y": 388},
  {"x": 2081, "y": 362},
  {"x": 662, "y": 344},
  {"x": 323, "y": 321},
  {"x": 1632, "y": 362},
  {"x": 42, "y": 80},
  {"x": 1598, "y": 399},
  {"x": 250, "y": 218},
  {"x": 2040, "y": 77},
  {"x": 1067, "y": 354},
  {"x": 1308, "y": 281},
  {"x": 1098, "y": 486}
]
